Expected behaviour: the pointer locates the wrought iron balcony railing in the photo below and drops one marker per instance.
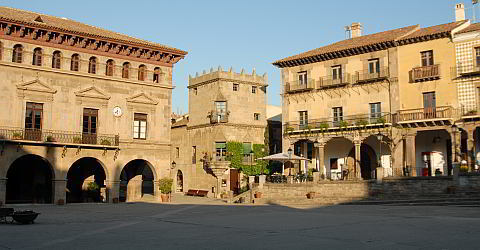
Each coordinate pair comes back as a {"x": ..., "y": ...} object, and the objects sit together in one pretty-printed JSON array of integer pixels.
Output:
[
  {"x": 465, "y": 70},
  {"x": 333, "y": 81},
  {"x": 297, "y": 86},
  {"x": 56, "y": 136},
  {"x": 362, "y": 121},
  {"x": 423, "y": 114},
  {"x": 366, "y": 76},
  {"x": 218, "y": 117},
  {"x": 425, "y": 73}
]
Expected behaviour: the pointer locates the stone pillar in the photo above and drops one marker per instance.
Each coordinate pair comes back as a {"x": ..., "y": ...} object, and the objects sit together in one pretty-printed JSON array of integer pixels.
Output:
[
  {"x": 261, "y": 181},
  {"x": 471, "y": 151},
  {"x": 321, "y": 157},
  {"x": 3, "y": 191},
  {"x": 134, "y": 188},
  {"x": 305, "y": 154},
  {"x": 358, "y": 153},
  {"x": 59, "y": 191},
  {"x": 456, "y": 144},
  {"x": 156, "y": 191},
  {"x": 410, "y": 154},
  {"x": 113, "y": 191}
]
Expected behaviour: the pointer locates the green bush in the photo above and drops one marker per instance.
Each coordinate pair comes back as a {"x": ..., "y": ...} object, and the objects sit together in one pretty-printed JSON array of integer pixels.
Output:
[
  {"x": 362, "y": 123},
  {"x": 93, "y": 186},
  {"x": 165, "y": 185}
]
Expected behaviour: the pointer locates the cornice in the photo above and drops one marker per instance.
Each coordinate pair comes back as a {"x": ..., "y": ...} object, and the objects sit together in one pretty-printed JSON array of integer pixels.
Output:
[
  {"x": 87, "y": 43},
  {"x": 225, "y": 124}
]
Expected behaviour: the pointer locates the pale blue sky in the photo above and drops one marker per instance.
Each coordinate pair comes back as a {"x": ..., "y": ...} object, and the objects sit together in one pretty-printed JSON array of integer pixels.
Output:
[{"x": 243, "y": 34}]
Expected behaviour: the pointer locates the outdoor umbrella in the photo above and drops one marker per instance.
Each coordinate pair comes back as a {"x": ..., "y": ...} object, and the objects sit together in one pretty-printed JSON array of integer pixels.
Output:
[{"x": 283, "y": 157}]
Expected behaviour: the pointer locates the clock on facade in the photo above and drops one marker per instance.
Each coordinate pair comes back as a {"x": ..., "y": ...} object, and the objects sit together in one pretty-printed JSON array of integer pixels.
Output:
[{"x": 117, "y": 111}]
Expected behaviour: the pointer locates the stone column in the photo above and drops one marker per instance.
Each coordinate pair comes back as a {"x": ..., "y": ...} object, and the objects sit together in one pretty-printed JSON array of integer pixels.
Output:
[
  {"x": 113, "y": 191},
  {"x": 410, "y": 154},
  {"x": 321, "y": 157},
  {"x": 358, "y": 153},
  {"x": 156, "y": 191},
  {"x": 59, "y": 193},
  {"x": 3, "y": 191},
  {"x": 456, "y": 145},
  {"x": 470, "y": 149}
]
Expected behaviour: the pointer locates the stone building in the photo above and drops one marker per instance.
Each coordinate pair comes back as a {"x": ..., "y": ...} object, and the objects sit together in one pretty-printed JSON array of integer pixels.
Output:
[
  {"x": 374, "y": 105},
  {"x": 223, "y": 106},
  {"x": 81, "y": 105}
]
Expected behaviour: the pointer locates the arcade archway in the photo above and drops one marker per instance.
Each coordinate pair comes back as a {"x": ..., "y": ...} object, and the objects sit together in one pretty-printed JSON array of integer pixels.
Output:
[
  {"x": 136, "y": 180},
  {"x": 86, "y": 181}
]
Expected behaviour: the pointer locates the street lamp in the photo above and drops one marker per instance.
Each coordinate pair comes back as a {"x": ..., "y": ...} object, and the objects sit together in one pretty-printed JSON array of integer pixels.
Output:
[
  {"x": 174, "y": 164},
  {"x": 289, "y": 151}
]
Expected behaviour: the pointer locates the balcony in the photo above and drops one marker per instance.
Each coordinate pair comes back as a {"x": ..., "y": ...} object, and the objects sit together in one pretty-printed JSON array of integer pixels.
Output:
[
  {"x": 332, "y": 81},
  {"x": 423, "y": 117},
  {"x": 218, "y": 117},
  {"x": 365, "y": 76},
  {"x": 57, "y": 137},
  {"x": 297, "y": 86},
  {"x": 425, "y": 73},
  {"x": 465, "y": 70},
  {"x": 332, "y": 124}
]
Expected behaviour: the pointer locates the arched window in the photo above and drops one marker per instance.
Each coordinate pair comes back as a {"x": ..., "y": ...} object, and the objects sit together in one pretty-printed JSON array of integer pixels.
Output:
[
  {"x": 126, "y": 70},
  {"x": 75, "y": 64},
  {"x": 92, "y": 65},
  {"x": 156, "y": 75},
  {"x": 17, "y": 53},
  {"x": 142, "y": 72},
  {"x": 56, "y": 59},
  {"x": 37, "y": 57},
  {"x": 110, "y": 67}
]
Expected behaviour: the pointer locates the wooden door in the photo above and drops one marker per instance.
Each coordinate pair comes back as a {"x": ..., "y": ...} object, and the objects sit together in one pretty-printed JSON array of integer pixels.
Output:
[
  {"x": 234, "y": 181},
  {"x": 33, "y": 121},
  {"x": 90, "y": 122},
  {"x": 429, "y": 105}
]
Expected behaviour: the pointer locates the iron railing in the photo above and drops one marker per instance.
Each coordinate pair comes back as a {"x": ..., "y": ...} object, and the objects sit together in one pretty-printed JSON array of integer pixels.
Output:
[
  {"x": 57, "y": 136},
  {"x": 425, "y": 73},
  {"x": 366, "y": 76},
  {"x": 218, "y": 117},
  {"x": 297, "y": 86},
  {"x": 424, "y": 114},
  {"x": 333, "y": 81},
  {"x": 465, "y": 70},
  {"x": 351, "y": 121}
]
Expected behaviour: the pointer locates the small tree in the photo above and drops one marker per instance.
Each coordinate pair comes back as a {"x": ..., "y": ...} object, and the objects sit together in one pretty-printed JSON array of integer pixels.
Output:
[{"x": 165, "y": 185}]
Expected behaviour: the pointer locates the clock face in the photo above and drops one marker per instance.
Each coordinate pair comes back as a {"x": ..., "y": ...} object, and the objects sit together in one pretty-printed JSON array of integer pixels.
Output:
[{"x": 117, "y": 111}]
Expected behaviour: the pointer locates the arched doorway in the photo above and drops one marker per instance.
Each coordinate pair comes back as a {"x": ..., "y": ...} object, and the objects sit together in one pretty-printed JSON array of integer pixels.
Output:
[
  {"x": 136, "y": 180},
  {"x": 29, "y": 180},
  {"x": 86, "y": 181},
  {"x": 338, "y": 157},
  {"x": 179, "y": 188}
]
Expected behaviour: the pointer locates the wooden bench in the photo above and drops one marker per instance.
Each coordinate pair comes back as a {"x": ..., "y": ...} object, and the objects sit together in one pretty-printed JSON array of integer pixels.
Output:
[{"x": 196, "y": 192}]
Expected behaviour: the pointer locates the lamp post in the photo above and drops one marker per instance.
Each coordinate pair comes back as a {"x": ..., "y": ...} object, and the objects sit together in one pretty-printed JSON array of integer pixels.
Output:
[{"x": 289, "y": 151}]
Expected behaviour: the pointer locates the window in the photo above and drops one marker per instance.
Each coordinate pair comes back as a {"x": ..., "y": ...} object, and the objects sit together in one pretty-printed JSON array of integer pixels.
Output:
[
  {"x": 177, "y": 152},
  {"x": 427, "y": 58},
  {"x": 139, "y": 126},
  {"x": 303, "y": 119},
  {"x": 156, "y": 75},
  {"x": 56, "y": 60},
  {"x": 429, "y": 105},
  {"x": 75, "y": 62},
  {"x": 220, "y": 150},
  {"x": 92, "y": 65},
  {"x": 235, "y": 87},
  {"x": 37, "y": 57},
  {"x": 142, "y": 72},
  {"x": 89, "y": 126},
  {"x": 373, "y": 66},
  {"x": 333, "y": 163},
  {"x": 254, "y": 89},
  {"x": 125, "y": 70},
  {"x": 194, "y": 154},
  {"x": 337, "y": 72},
  {"x": 477, "y": 57},
  {"x": 221, "y": 107},
  {"x": 256, "y": 116},
  {"x": 375, "y": 110},
  {"x": 302, "y": 77},
  {"x": 337, "y": 115},
  {"x": 110, "y": 67},
  {"x": 17, "y": 55},
  {"x": 33, "y": 121}
]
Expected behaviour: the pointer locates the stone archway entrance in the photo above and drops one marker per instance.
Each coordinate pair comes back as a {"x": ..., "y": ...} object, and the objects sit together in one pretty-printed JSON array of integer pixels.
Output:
[
  {"x": 86, "y": 181},
  {"x": 29, "y": 180},
  {"x": 179, "y": 188},
  {"x": 136, "y": 180},
  {"x": 368, "y": 161}
]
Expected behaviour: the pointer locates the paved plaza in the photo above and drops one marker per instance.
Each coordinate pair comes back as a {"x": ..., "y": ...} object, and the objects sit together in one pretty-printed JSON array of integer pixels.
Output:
[{"x": 213, "y": 225}]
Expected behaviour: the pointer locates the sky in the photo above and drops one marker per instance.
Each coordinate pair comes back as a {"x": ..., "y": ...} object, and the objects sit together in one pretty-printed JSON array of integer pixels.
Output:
[{"x": 243, "y": 34}]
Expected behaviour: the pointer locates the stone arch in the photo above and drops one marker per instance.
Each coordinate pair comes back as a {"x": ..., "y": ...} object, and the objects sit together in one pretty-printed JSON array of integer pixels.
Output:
[
  {"x": 368, "y": 161},
  {"x": 29, "y": 180},
  {"x": 179, "y": 182},
  {"x": 136, "y": 180},
  {"x": 337, "y": 154},
  {"x": 80, "y": 176}
]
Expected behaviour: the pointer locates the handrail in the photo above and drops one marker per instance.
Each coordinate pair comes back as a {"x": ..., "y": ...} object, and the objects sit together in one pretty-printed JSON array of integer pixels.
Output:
[
  {"x": 297, "y": 86},
  {"x": 333, "y": 81},
  {"x": 365, "y": 75},
  {"x": 425, "y": 73}
]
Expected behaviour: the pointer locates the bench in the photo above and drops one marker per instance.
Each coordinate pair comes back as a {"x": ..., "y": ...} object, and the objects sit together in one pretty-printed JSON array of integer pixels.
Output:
[
  {"x": 6, "y": 212},
  {"x": 196, "y": 192}
]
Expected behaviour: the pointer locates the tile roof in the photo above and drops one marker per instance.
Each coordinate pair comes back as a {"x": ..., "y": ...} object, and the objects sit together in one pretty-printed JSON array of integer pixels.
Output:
[
  {"x": 180, "y": 123},
  {"x": 67, "y": 25},
  {"x": 377, "y": 38},
  {"x": 470, "y": 28}
]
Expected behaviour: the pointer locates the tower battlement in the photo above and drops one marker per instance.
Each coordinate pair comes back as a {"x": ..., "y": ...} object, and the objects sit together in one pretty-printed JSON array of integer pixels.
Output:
[{"x": 229, "y": 75}]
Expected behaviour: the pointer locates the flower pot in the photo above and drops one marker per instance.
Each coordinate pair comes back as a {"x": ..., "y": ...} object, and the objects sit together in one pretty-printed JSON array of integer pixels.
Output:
[
  {"x": 258, "y": 195},
  {"x": 165, "y": 197},
  {"x": 310, "y": 195}
]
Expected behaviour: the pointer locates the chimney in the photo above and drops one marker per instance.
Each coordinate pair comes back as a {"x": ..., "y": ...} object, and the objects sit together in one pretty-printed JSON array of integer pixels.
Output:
[
  {"x": 459, "y": 12},
  {"x": 355, "y": 30}
]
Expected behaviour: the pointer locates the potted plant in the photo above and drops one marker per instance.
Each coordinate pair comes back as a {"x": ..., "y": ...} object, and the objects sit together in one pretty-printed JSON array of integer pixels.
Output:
[
  {"x": 93, "y": 191},
  {"x": 17, "y": 135},
  {"x": 50, "y": 139},
  {"x": 380, "y": 120},
  {"x": 105, "y": 142},
  {"x": 310, "y": 195},
  {"x": 258, "y": 195},
  {"x": 471, "y": 112},
  {"x": 361, "y": 123},
  {"x": 165, "y": 186}
]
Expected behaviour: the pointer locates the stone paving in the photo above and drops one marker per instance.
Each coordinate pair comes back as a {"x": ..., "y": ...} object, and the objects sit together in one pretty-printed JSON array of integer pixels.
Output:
[{"x": 211, "y": 224}]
